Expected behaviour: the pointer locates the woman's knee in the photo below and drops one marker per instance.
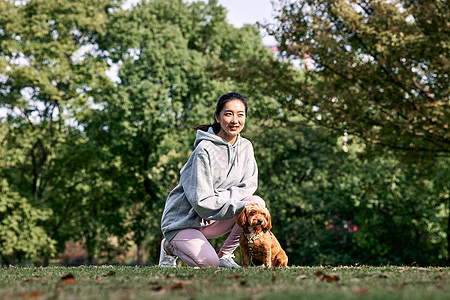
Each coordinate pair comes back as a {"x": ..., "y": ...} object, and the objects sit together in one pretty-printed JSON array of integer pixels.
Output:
[
  {"x": 193, "y": 247},
  {"x": 210, "y": 261},
  {"x": 255, "y": 199}
]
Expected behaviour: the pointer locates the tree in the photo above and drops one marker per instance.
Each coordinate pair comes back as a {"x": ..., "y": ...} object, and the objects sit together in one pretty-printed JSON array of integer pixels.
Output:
[
  {"x": 381, "y": 69},
  {"x": 21, "y": 237},
  {"x": 381, "y": 74},
  {"x": 398, "y": 208},
  {"x": 48, "y": 78},
  {"x": 340, "y": 208}
]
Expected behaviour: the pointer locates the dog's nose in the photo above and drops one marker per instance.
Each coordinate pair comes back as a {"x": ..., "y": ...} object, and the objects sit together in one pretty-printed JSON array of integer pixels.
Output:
[{"x": 259, "y": 222}]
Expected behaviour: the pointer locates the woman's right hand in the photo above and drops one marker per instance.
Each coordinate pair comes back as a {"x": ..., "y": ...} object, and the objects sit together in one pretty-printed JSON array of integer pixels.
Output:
[{"x": 204, "y": 222}]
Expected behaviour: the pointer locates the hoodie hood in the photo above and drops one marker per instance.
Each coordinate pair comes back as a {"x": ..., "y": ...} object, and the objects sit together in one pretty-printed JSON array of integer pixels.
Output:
[
  {"x": 212, "y": 137},
  {"x": 233, "y": 150}
]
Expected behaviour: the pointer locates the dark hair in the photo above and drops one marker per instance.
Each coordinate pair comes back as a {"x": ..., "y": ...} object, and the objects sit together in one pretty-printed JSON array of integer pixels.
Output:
[{"x": 220, "y": 104}]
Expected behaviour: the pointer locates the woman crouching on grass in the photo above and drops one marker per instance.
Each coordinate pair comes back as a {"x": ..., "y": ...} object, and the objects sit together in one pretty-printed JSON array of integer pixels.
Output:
[{"x": 216, "y": 183}]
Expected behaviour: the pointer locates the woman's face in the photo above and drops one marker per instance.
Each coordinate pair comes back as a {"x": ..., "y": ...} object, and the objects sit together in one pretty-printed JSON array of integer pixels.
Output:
[{"x": 231, "y": 120}]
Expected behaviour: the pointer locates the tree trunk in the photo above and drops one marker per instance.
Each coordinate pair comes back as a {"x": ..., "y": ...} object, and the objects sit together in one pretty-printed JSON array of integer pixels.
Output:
[
  {"x": 90, "y": 248},
  {"x": 90, "y": 259},
  {"x": 45, "y": 261},
  {"x": 139, "y": 253}
]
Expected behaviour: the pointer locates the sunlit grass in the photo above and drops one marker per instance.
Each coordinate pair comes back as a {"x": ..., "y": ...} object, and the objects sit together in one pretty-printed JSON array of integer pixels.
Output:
[{"x": 112, "y": 282}]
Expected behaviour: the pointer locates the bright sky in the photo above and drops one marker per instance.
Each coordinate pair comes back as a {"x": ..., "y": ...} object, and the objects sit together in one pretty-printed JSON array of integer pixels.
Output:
[{"x": 240, "y": 12}]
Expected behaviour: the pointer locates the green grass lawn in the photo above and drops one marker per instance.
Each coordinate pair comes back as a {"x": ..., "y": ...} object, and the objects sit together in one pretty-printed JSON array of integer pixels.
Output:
[{"x": 113, "y": 282}]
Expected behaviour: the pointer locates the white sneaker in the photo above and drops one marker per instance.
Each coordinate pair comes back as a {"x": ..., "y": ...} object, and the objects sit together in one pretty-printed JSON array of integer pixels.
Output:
[
  {"x": 227, "y": 261},
  {"x": 166, "y": 260}
]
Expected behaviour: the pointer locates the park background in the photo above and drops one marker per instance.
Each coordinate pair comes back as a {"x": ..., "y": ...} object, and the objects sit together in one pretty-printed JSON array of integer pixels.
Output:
[{"x": 348, "y": 116}]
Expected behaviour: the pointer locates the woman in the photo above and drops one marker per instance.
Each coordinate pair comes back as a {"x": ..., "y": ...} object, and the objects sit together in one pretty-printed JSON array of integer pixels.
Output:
[{"x": 217, "y": 181}]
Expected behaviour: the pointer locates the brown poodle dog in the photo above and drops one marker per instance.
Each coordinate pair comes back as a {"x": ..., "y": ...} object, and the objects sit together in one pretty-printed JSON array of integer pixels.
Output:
[{"x": 256, "y": 240}]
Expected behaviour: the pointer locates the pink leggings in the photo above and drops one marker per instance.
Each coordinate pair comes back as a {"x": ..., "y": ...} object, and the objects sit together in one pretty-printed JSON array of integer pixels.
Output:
[{"x": 192, "y": 246}]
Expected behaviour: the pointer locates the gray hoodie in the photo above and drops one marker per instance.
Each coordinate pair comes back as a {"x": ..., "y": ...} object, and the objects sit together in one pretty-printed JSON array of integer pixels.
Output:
[{"x": 213, "y": 182}]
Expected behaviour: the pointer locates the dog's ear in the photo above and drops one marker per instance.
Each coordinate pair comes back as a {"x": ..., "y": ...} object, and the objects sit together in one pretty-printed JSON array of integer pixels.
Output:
[
  {"x": 269, "y": 219},
  {"x": 241, "y": 218}
]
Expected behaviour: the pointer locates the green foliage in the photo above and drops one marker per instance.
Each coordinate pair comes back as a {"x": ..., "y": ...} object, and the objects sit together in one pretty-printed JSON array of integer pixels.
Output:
[
  {"x": 21, "y": 235},
  {"x": 333, "y": 207},
  {"x": 46, "y": 82},
  {"x": 380, "y": 74},
  {"x": 382, "y": 68},
  {"x": 86, "y": 159},
  {"x": 397, "y": 208}
]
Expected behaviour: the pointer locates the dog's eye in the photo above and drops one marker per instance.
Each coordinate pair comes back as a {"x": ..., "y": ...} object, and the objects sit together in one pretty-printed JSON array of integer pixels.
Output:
[{"x": 251, "y": 213}]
